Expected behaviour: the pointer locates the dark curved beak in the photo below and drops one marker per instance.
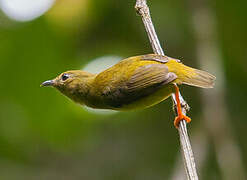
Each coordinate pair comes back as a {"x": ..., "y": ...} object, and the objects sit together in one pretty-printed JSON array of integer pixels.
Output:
[{"x": 47, "y": 83}]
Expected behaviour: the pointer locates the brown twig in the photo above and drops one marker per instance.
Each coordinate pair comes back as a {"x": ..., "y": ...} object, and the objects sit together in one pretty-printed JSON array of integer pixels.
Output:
[{"x": 189, "y": 163}]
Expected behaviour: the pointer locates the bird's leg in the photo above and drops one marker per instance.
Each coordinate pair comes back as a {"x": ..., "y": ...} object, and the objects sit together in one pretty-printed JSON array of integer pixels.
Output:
[{"x": 180, "y": 115}]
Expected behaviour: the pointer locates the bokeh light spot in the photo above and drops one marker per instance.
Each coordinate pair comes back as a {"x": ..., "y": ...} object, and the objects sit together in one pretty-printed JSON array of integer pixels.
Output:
[
  {"x": 102, "y": 63},
  {"x": 25, "y": 10}
]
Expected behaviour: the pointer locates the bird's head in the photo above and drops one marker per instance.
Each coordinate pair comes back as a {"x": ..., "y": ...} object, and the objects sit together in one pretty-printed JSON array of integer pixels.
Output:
[{"x": 73, "y": 84}]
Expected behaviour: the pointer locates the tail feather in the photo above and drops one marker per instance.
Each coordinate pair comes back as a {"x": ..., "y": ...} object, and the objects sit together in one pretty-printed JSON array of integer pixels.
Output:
[{"x": 195, "y": 77}]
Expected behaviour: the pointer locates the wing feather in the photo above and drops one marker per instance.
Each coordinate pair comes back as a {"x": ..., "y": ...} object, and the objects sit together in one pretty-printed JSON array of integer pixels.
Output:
[{"x": 144, "y": 81}]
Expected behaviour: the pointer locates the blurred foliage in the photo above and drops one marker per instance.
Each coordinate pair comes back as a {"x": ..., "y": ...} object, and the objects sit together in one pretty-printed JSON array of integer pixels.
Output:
[{"x": 43, "y": 135}]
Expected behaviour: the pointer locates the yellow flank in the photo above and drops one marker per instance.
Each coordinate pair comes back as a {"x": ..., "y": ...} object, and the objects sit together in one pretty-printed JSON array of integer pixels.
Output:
[
  {"x": 133, "y": 83},
  {"x": 180, "y": 70}
]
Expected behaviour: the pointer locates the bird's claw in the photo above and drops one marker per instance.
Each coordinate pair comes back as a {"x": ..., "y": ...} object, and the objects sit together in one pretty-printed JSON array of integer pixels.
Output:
[{"x": 180, "y": 118}]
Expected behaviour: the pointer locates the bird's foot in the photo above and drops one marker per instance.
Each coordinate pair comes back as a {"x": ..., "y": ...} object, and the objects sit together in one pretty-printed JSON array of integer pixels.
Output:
[{"x": 180, "y": 118}]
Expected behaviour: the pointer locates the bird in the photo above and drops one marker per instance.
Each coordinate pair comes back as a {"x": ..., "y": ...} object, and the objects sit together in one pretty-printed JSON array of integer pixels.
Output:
[{"x": 136, "y": 82}]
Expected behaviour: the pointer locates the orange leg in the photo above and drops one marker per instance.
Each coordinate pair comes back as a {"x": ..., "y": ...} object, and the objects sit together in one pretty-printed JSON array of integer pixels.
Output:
[{"x": 180, "y": 116}]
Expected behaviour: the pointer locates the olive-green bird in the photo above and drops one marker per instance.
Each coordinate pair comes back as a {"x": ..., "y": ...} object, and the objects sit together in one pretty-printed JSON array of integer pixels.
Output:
[{"x": 133, "y": 83}]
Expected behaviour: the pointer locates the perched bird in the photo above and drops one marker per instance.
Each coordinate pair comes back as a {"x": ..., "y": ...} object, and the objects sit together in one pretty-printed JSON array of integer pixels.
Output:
[{"x": 133, "y": 83}]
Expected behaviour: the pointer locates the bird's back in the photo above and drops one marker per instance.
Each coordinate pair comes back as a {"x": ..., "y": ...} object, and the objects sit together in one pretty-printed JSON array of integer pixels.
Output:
[{"x": 130, "y": 83}]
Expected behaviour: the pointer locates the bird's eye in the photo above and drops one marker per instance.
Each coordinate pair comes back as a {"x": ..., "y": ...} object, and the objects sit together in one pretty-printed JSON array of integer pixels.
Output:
[{"x": 65, "y": 76}]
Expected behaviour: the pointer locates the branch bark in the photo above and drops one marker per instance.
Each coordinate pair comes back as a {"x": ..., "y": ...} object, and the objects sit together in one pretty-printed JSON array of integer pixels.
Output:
[{"x": 143, "y": 10}]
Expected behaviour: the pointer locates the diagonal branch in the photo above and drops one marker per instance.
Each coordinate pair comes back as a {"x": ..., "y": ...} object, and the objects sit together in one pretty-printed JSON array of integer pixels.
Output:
[{"x": 189, "y": 163}]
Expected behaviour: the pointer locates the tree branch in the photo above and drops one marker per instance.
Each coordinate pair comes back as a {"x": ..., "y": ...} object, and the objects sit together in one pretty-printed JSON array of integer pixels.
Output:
[{"x": 189, "y": 163}]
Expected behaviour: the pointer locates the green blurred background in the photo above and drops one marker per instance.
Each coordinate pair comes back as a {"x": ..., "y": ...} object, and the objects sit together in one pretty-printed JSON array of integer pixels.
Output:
[{"x": 43, "y": 135}]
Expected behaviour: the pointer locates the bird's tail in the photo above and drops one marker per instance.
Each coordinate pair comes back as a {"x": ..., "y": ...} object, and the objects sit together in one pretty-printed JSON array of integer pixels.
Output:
[
  {"x": 196, "y": 77},
  {"x": 200, "y": 79},
  {"x": 192, "y": 76}
]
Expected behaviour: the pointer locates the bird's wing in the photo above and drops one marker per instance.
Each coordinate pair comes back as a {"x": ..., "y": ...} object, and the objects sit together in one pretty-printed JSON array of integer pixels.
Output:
[
  {"x": 144, "y": 81},
  {"x": 150, "y": 75}
]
